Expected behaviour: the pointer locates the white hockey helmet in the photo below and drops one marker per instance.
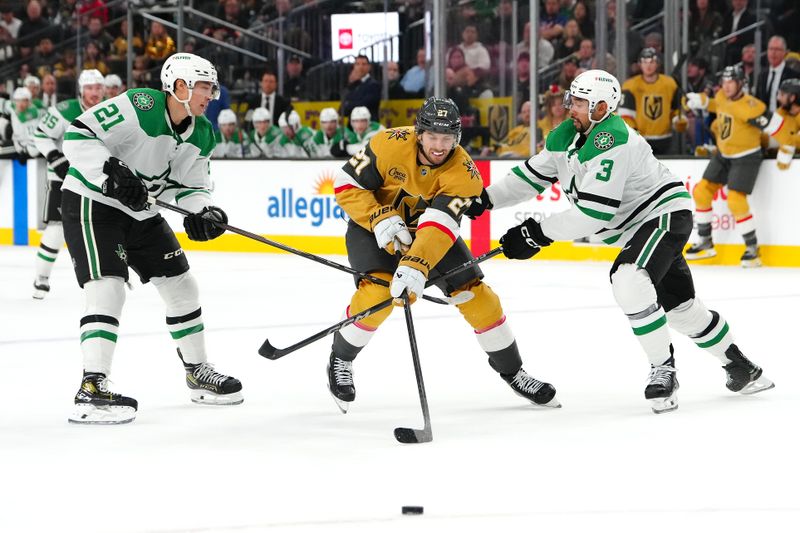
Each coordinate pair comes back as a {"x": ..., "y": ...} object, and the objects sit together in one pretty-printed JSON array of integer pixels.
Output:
[
  {"x": 191, "y": 69},
  {"x": 328, "y": 114},
  {"x": 90, "y": 76},
  {"x": 226, "y": 116},
  {"x": 595, "y": 86},
  {"x": 21, "y": 93},
  {"x": 293, "y": 120},
  {"x": 261, "y": 114},
  {"x": 112, "y": 80},
  {"x": 31, "y": 79},
  {"x": 360, "y": 113}
]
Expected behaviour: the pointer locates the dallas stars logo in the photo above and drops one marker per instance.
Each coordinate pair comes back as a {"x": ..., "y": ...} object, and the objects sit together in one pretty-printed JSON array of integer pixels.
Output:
[
  {"x": 603, "y": 140},
  {"x": 122, "y": 254},
  {"x": 472, "y": 169},
  {"x": 143, "y": 101},
  {"x": 400, "y": 135}
]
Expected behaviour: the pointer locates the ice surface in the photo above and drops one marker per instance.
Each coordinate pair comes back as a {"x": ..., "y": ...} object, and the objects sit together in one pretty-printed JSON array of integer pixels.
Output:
[{"x": 288, "y": 460}]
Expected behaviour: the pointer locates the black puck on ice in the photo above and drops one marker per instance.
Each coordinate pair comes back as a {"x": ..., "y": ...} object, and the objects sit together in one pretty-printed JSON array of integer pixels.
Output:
[{"x": 412, "y": 509}]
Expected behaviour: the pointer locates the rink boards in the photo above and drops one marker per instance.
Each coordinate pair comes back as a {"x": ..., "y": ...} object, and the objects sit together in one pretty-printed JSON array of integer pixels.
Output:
[{"x": 293, "y": 202}]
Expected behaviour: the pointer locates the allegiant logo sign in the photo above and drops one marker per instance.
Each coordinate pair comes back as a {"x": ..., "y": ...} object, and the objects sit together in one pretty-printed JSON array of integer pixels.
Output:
[{"x": 317, "y": 208}]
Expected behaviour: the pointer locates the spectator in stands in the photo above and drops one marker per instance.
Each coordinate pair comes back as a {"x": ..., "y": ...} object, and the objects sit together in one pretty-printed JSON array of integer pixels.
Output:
[
  {"x": 476, "y": 56},
  {"x": 396, "y": 91},
  {"x": 189, "y": 45},
  {"x": 32, "y": 29},
  {"x": 66, "y": 69},
  {"x": 523, "y": 76},
  {"x": 413, "y": 80},
  {"x": 570, "y": 41},
  {"x": 232, "y": 14},
  {"x": 633, "y": 38},
  {"x": 748, "y": 65},
  {"x": 9, "y": 30},
  {"x": 551, "y": 21},
  {"x": 231, "y": 142},
  {"x": 45, "y": 57},
  {"x": 362, "y": 89},
  {"x": 518, "y": 143},
  {"x": 546, "y": 50},
  {"x": 705, "y": 25},
  {"x": 268, "y": 97},
  {"x": 456, "y": 61},
  {"x": 142, "y": 77},
  {"x": 568, "y": 72},
  {"x": 93, "y": 8},
  {"x": 49, "y": 93},
  {"x": 697, "y": 77},
  {"x": 294, "y": 83},
  {"x": 160, "y": 45},
  {"x": 655, "y": 41},
  {"x": 585, "y": 54},
  {"x": 474, "y": 86},
  {"x": 112, "y": 86},
  {"x": 119, "y": 48},
  {"x": 554, "y": 114},
  {"x": 99, "y": 35},
  {"x": 93, "y": 58},
  {"x": 737, "y": 18},
  {"x": 770, "y": 78},
  {"x": 580, "y": 12}
]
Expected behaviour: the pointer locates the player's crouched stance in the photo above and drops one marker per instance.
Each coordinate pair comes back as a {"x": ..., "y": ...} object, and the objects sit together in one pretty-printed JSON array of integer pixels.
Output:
[
  {"x": 621, "y": 193},
  {"x": 418, "y": 181},
  {"x": 142, "y": 143}
]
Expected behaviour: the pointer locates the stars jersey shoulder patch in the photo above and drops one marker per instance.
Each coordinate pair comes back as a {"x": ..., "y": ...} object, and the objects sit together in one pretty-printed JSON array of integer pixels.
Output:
[
  {"x": 143, "y": 101},
  {"x": 398, "y": 134},
  {"x": 603, "y": 140}
]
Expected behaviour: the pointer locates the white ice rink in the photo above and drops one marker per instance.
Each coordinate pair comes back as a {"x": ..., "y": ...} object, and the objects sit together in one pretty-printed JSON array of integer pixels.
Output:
[{"x": 288, "y": 460}]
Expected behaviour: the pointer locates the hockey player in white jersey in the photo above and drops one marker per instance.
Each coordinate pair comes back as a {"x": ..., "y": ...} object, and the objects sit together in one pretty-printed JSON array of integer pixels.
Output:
[
  {"x": 24, "y": 119},
  {"x": 364, "y": 128},
  {"x": 620, "y": 192},
  {"x": 264, "y": 135},
  {"x": 231, "y": 141},
  {"x": 139, "y": 145},
  {"x": 49, "y": 137},
  {"x": 292, "y": 141},
  {"x": 331, "y": 139}
]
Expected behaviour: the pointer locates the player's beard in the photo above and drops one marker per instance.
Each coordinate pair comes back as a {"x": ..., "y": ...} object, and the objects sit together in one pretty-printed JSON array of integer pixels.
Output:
[{"x": 579, "y": 126}]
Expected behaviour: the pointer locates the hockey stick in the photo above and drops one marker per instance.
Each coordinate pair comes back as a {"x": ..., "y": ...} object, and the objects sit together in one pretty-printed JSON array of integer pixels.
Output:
[
  {"x": 409, "y": 435},
  {"x": 338, "y": 266},
  {"x": 271, "y": 352}
]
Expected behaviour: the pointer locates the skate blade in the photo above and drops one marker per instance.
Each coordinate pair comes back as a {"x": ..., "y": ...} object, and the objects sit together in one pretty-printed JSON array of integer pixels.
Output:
[
  {"x": 204, "y": 397},
  {"x": 554, "y": 403},
  {"x": 664, "y": 405},
  {"x": 39, "y": 294},
  {"x": 341, "y": 404},
  {"x": 90, "y": 414},
  {"x": 758, "y": 385},
  {"x": 751, "y": 263},
  {"x": 703, "y": 254}
]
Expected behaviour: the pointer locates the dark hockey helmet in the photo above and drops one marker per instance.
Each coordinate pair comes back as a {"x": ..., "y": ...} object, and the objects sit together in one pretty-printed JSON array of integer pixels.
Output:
[
  {"x": 439, "y": 115},
  {"x": 791, "y": 86},
  {"x": 649, "y": 53},
  {"x": 733, "y": 72}
]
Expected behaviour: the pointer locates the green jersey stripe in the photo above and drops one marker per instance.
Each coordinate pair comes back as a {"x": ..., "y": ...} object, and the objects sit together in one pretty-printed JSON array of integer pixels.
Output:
[
  {"x": 88, "y": 239},
  {"x": 77, "y": 175},
  {"x": 184, "y": 194},
  {"x": 521, "y": 175},
  {"x": 594, "y": 214},
  {"x": 74, "y": 136}
]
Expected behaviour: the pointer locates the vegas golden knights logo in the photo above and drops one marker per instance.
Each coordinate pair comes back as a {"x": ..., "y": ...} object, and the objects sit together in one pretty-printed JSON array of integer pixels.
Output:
[
  {"x": 409, "y": 207},
  {"x": 727, "y": 126},
  {"x": 498, "y": 122},
  {"x": 653, "y": 106}
]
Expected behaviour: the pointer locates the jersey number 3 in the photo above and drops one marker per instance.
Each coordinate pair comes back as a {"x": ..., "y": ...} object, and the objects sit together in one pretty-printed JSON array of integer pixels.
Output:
[
  {"x": 607, "y": 165},
  {"x": 110, "y": 112}
]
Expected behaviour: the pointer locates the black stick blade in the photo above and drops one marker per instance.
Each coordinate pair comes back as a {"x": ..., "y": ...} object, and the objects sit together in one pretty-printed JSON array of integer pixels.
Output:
[
  {"x": 269, "y": 351},
  {"x": 412, "y": 436}
]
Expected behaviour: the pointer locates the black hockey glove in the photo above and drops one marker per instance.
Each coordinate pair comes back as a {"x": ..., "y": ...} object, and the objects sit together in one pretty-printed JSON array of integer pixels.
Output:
[
  {"x": 340, "y": 149},
  {"x": 479, "y": 205},
  {"x": 124, "y": 185},
  {"x": 203, "y": 226},
  {"x": 524, "y": 241},
  {"x": 58, "y": 163}
]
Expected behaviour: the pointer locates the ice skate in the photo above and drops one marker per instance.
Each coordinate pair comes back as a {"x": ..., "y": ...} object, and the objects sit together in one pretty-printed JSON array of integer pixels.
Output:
[
  {"x": 532, "y": 389},
  {"x": 662, "y": 387},
  {"x": 209, "y": 387},
  {"x": 701, "y": 250},
  {"x": 751, "y": 257},
  {"x": 41, "y": 286},
  {"x": 95, "y": 404},
  {"x": 744, "y": 377},
  {"x": 340, "y": 382}
]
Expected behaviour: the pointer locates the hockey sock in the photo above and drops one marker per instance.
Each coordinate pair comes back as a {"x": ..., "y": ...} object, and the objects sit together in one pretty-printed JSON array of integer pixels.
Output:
[
  {"x": 51, "y": 243},
  {"x": 706, "y": 328},
  {"x": 636, "y": 295},
  {"x": 100, "y": 322},
  {"x": 350, "y": 340},
  {"x": 184, "y": 316}
]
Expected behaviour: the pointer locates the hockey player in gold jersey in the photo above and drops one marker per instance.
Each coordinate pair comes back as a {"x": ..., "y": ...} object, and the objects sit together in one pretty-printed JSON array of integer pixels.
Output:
[
  {"x": 788, "y": 136},
  {"x": 651, "y": 104},
  {"x": 405, "y": 193},
  {"x": 741, "y": 118}
]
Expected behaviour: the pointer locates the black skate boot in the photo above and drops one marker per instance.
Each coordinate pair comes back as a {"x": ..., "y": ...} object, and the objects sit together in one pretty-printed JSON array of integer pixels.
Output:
[
  {"x": 703, "y": 249},
  {"x": 41, "y": 286},
  {"x": 340, "y": 382},
  {"x": 209, "y": 386},
  {"x": 751, "y": 257},
  {"x": 95, "y": 404},
  {"x": 743, "y": 376},
  {"x": 662, "y": 387},
  {"x": 532, "y": 389}
]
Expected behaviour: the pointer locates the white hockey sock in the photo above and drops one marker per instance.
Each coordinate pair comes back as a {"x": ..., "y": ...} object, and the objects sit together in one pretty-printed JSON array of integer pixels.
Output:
[
  {"x": 51, "y": 243},
  {"x": 650, "y": 328},
  {"x": 184, "y": 316},
  {"x": 357, "y": 335},
  {"x": 100, "y": 322},
  {"x": 499, "y": 344},
  {"x": 706, "y": 328}
]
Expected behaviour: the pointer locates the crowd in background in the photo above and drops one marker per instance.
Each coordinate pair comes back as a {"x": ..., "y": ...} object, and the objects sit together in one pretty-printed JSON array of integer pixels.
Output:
[{"x": 44, "y": 43}]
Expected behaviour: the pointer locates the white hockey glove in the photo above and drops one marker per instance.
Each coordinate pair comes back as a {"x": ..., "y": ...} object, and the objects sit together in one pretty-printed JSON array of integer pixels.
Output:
[
  {"x": 393, "y": 235},
  {"x": 697, "y": 101},
  {"x": 409, "y": 280},
  {"x": 785, "y": 154}
]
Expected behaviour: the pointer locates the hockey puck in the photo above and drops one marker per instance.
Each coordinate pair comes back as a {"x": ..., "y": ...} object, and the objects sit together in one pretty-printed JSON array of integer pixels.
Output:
[{"x": 412, "y": 509}]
